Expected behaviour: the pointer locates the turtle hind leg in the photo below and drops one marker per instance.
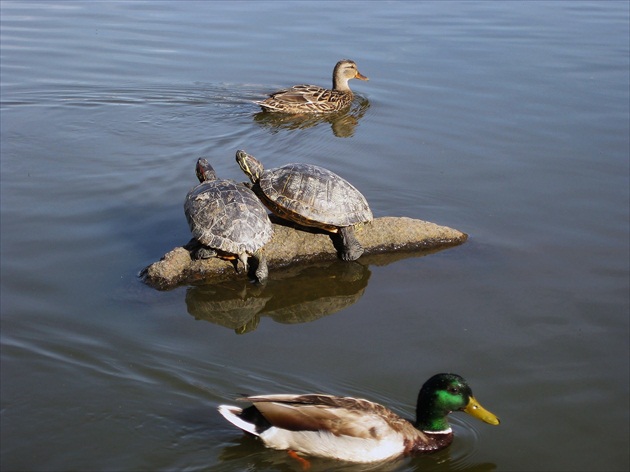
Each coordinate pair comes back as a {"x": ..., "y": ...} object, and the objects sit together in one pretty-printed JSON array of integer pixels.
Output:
[
  {"x": 204, "y": 252},
  {"x": 259, "y": 266},
  {"x": 199, "y": 251},
  {"x": 351, "y": 248}
]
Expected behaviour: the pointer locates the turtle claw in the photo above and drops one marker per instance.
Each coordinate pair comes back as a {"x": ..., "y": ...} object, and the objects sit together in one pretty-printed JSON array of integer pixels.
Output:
[{"x": 352, "y": 254}]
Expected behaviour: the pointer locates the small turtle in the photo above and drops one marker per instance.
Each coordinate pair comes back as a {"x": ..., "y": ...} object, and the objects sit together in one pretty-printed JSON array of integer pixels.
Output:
[
  {"x": 228, "y": 220},
  {"x": 311, "y": 196}
]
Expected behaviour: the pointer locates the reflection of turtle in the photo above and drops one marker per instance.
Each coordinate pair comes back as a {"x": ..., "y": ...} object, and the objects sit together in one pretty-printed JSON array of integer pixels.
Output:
[
  {"x": 309, "y": 293},
  {"x": 228, "y": 220},
  {"x": 230, "y": 304},
  {"x": 298, "y": 294},
  {"x": 311, "y": 196}
]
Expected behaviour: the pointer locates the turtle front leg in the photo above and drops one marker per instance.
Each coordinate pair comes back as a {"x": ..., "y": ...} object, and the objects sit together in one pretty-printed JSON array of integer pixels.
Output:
[
  {"x": 260, "y": 263},
  {"x": 242, "y": 261},
  {"x": 351, "y": 249}
]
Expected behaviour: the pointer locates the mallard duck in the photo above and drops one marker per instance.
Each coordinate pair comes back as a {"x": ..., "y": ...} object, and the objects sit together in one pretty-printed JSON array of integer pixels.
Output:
[
  {"x": 314, "y": 99},
  {"x": 354, "y": 429}
]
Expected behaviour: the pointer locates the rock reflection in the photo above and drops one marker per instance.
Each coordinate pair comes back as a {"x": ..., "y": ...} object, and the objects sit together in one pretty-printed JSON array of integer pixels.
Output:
[
  {"x": 342, "y": 123},
  {"x": 298, "y": 295}
]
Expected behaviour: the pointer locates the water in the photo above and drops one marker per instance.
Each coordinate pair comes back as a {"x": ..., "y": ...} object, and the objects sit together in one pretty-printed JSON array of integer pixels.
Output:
[{"x": 506, "y": 120}]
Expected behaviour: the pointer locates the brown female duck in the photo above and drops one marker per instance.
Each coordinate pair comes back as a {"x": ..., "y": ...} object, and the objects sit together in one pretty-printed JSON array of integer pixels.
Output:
[{"x": 314, "y": 99}]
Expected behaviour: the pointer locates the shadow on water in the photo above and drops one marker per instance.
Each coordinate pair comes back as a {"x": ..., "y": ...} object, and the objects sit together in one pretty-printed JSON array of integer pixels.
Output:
[
  {"x": 343, "y": 123},
  {"x": 298, "y": 295}
]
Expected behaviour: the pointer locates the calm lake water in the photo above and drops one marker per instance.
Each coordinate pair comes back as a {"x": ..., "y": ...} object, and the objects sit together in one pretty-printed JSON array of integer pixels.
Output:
[{"x": 506, "y": 120}]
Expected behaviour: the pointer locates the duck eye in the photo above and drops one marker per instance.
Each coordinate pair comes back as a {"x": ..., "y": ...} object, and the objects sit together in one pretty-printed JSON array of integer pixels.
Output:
[{"x": 453, "y": 390}]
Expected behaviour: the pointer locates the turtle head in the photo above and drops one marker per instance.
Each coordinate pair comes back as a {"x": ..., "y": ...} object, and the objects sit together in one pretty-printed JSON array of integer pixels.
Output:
[
  {"x": 204, "y": 170},
  {"x": 250, "y": 165}
]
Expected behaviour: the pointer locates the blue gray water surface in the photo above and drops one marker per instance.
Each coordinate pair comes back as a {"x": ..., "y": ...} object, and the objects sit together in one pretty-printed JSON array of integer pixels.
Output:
[{"x": 506, "y": 120}]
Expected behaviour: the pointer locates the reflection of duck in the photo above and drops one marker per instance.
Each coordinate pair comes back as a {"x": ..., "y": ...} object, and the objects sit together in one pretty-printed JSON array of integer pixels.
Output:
[
  {"x": 314, "y": 99},
  {"x": 301, "y": 295},
  {"x": 342, "y": 123},
  {"x": 357, "y": 430}
]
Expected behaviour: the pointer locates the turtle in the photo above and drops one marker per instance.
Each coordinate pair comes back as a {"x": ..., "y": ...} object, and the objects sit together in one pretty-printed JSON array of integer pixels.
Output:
[
  {"x": 228, "y": 220},
  {"x": 311, "y": 196}
]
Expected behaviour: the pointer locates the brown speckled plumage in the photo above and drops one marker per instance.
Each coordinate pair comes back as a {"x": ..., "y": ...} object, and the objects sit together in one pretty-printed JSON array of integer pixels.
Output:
[{"x": 315, "y": 99}]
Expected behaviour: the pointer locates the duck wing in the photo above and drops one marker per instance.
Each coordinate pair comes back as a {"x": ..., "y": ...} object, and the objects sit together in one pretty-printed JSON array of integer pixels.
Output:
[
  {"x": 341, "y": 416},
  {"x": 307, "y": 97}
]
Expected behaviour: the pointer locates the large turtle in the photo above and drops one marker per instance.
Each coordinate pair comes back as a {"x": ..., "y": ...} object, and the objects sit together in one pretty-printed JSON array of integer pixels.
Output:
[
  {"x": 311, "y": 196},
  {"x": 228, "y": 220}
]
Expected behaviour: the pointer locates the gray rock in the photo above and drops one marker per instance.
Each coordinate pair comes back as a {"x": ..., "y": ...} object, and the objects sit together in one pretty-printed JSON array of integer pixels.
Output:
[{"x": 290, "y": 246}]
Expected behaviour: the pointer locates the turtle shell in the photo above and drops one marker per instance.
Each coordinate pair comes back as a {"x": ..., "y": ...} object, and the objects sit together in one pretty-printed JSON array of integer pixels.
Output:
[
  {"x": 313, "y": 196},
  {"x": 227, "y": 216}
]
